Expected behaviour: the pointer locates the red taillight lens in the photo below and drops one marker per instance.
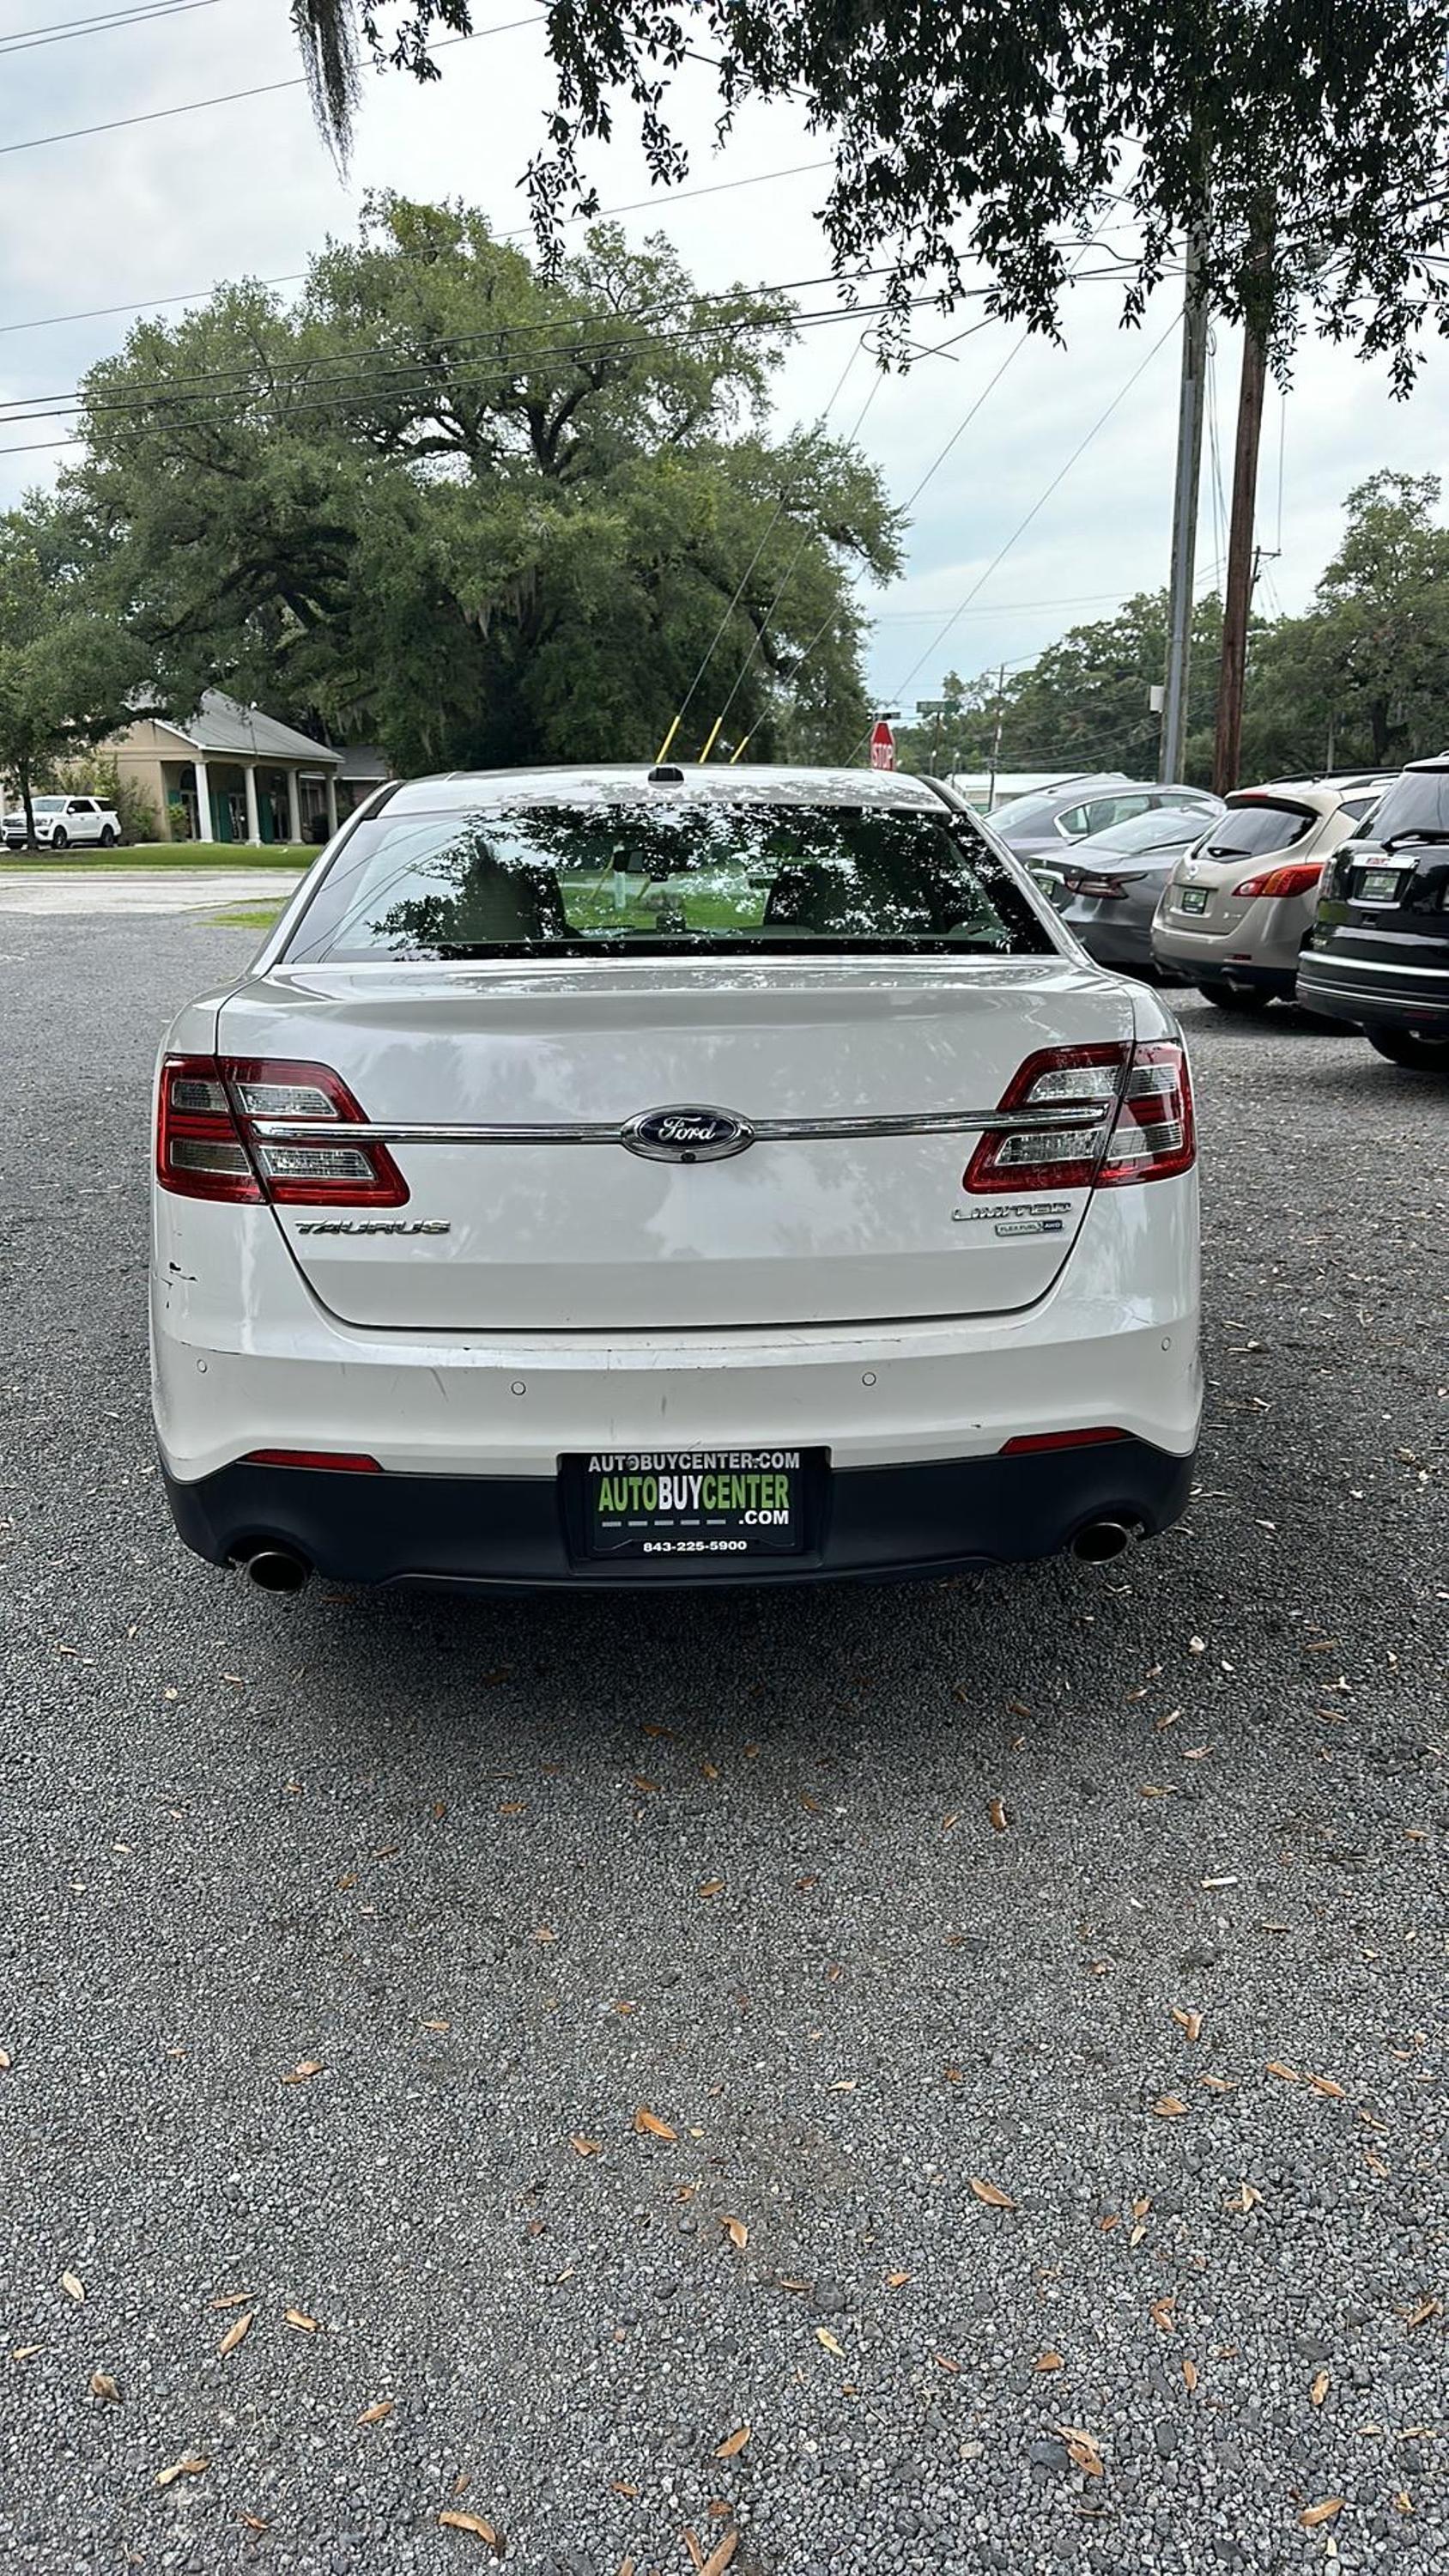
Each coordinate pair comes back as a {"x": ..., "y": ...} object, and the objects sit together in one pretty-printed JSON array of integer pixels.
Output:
[
  {"x": 1294, "y": 879},
  {"x": 200, "y": 1152},
  {"x": 1142, "y": 1129},
  {"x": 214, "y": 1121}
]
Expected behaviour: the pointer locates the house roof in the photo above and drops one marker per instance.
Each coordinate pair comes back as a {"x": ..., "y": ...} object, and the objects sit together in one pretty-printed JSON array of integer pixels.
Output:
[{"x": 223, "y": 725}]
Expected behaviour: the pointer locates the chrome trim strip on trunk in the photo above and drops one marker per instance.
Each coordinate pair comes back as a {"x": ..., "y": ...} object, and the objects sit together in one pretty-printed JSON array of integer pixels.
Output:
[{"x": 767, "y": 1131}]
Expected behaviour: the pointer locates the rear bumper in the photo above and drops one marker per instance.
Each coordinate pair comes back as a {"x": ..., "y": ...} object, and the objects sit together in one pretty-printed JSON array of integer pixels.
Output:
[
  {"x": 1370, "y": 997},
  {"x": 509, "y": 1533},
  {"x": 1260, "y": 948}
]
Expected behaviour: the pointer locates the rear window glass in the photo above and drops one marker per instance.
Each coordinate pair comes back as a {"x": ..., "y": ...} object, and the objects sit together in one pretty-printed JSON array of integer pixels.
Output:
[
  {"x": 1162, "y": 830},
  {"x": 1252, "y": 831},
  {"x": 690, "y": 874},
  {"x": 1415, "y": 807}
]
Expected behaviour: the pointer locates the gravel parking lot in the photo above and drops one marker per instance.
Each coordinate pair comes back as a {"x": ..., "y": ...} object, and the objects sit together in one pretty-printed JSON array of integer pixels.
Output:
[{"x": 483, "y": 2060}]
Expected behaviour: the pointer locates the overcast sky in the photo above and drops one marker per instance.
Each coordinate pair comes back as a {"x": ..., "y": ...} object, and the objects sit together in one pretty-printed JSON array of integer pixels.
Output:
[{"x": 165, "y": 209}]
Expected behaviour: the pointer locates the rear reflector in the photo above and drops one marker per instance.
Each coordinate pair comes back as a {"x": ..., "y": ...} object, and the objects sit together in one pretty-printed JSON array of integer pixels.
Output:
[
  {"x": 210, "y": 1143},
  {"x": 1296, "y": 878},
  {"x": 1145, "y": 1131},
  {"x": 345, "y": 1462},
  {"x": 1029, "y": 1442}
]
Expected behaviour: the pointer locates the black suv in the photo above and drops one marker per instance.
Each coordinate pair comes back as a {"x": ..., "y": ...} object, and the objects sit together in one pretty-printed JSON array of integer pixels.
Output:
[{"x": 1378, "y": 952}]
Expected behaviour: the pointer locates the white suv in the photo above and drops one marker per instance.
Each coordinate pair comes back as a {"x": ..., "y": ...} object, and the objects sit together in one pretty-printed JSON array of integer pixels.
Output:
[{"x": 65, "y": 821}]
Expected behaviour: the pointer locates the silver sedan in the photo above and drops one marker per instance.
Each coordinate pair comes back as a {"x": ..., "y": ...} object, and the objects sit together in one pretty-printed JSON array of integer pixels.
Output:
[{"x": 1108, "y": 889}]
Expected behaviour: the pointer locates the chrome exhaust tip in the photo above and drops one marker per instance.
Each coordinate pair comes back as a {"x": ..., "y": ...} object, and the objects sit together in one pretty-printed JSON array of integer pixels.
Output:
[
  {"x": 1102, "y": 1540},
  {"x": 275, "y": 1569}
]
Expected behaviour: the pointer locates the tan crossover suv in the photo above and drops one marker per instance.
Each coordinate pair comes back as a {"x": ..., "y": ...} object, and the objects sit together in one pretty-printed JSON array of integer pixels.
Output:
[{"x": 1240, "y": 903}]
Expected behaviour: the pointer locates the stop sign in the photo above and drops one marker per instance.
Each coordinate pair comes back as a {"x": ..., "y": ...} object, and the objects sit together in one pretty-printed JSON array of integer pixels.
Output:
[{"x": 882, "y": 747}]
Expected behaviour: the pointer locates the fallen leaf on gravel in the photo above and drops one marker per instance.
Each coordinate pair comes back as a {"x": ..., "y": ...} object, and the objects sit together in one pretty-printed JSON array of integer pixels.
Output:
[
  {"x": 585, "y": 2146},
  {"x": 991, "y": 2193},
  {"x": 843, "y": 2084},
  {"x": 649, "y": 1787},
  {"x": 1161, "y": 2314},
  {"x": 944, "y": 2362},
  {"x": 731, "y": 2449},
  {"x": 1324, "y": 2084},
  {"x": 1082, "y": 2450},
  {"x": 379, "y": 2413},
  {"x": 719, "y": 2559},
  {"x": 1217, "y": 2083},
  {"x": 73, "y": 2288},
  {"x": 299, "y": 2318},
  {"x": 1404, "y": 2501},
  {"x": 1189, "y": 2022},
  {"x": 474, "y": 2523},
  {"x": 1314, "y": 2514},
  {"x": 1289, "y": 2074},
  {"x": 712, "y": 1887},
  {"x": 824, "y": 2335},
  {"x": 103, "y": 2385},
  {"x": 233, "y": 2299},
  {"x": 737, "y": 2232},
  {"x": 649, "y": 2126},
  {"x": 1321, "y": 2386},
  {"x": 897, "y": 2280},
  {"x": 1048, "y": 2361},
  {"x": 253, "y": 2522},
  {"x": 1140, "y": 2208},
  {"x": 1189, "y": 2375},
  {"x": 1108, "y": 2221},
  {"x": 4, "y": 2059},
  {"x": 695, "y": 2547},
  {"x": 188, "y": 2468},
  {"x": 1420, "y": 2316},
  {"x": 626, "y": 2567},
  {"x": 622, "y": 2487},
  {"x": 1376, "y": 2164},
  {"x": 439, "y": 2026},
  {"x": 1245, "y": 2199},
  {"x": 1224, "y": 1881},
  {"x": 304, "y": 2070},
  {"x": 953, "y": 2074},
  {"x": 545, "y": 1932},
  {"x": 997, "y": 1813},
  {"x": 235, "y": 2334},
  {"x": 1168, "y": 2107}
]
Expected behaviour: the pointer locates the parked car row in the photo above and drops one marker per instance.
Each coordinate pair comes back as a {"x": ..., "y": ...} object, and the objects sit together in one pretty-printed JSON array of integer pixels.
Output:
[{"x": 1332, "y": 892}]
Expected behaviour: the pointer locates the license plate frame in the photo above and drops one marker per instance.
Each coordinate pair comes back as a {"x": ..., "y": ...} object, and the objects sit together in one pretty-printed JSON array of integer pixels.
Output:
[
  {"x": 1192, "y": 898},
  {"x": 714, "y": 1509},
  {"x": 1380, "y": 885}
]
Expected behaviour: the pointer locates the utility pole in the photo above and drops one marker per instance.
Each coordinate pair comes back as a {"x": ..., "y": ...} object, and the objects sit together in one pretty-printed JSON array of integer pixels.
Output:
[
  {"x": 1184, "y": 517},
  {"x": 996, "y": 740},
  {"x": 1242, "y": 557}
]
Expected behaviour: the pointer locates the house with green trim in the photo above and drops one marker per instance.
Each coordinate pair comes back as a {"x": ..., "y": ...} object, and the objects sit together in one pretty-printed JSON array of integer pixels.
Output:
[{"x": 231, "y": 774}]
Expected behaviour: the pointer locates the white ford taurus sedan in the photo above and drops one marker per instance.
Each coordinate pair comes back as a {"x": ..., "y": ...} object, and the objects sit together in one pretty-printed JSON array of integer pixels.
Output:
[{"x": 651, "y": 1177}]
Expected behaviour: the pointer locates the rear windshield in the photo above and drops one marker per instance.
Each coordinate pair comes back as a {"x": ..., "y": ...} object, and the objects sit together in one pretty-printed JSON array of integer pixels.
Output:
[
  {"x": 694, "y": 874},
  {"x": 1416, "y": 807},
  {"x": 1252, "y": 831}
]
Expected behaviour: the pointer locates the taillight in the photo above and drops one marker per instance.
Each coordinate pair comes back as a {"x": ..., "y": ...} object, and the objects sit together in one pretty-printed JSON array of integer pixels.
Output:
[
  {"x": 1031, "y": 1444},
  {"x": 1122, "y": 1114},
  {"x": 212, "y": 1141},
  {"x": 1296, "y": 878},
  {"x": 1102, "y": 889}
]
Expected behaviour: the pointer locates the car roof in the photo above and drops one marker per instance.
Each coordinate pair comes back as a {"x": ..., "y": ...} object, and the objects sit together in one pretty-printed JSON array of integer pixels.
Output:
[
  {"x": 460, "y": 791},
  {"x": 1317, "y": 794},
  {"x": 1432, "y": 761}
]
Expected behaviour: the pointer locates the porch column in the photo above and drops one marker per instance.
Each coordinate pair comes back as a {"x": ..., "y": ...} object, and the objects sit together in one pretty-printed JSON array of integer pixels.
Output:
[
  {"x": 203, "y": 802},
  {"x": 331, "y": 802},
  {"x": 294, "y": 808},
  {"x": 254, "y": 820}
]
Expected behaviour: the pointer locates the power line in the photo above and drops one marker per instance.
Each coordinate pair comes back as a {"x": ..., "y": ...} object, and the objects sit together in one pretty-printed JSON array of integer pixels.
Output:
[
  {"x": 1034, "y": 512},
  {"x": 519, "y": 232},
  {"x": 241, "y": 383},
  {"x": 65, "y": 31},
  {"x": 228, "y": 98}
]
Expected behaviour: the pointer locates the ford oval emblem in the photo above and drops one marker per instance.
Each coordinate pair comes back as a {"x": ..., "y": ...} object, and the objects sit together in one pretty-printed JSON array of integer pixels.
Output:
[{"x": 687, "y": 1135}]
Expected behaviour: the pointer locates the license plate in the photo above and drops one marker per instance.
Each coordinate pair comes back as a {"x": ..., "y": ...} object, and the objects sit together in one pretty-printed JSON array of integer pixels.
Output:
[
  {"x": 718, "y": 1505},
  {"x": 1379, "y": 885},
  {"x": 1193, "y": 899}
]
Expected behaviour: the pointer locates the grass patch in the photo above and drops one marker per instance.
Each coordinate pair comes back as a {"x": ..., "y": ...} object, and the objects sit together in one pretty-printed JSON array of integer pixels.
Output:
[
  {"x": 261, "y": 918},
  {"x": 149, "y": 855}
]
